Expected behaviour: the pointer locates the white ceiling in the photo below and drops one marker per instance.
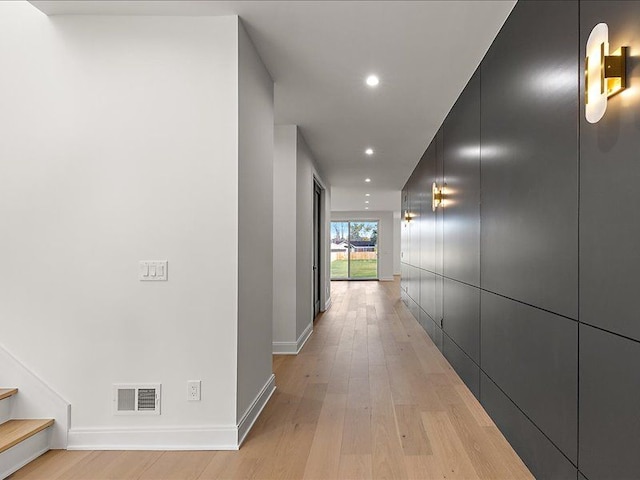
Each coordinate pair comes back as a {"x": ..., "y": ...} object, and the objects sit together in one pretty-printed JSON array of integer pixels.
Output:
[{"x": 319, "y": 54}]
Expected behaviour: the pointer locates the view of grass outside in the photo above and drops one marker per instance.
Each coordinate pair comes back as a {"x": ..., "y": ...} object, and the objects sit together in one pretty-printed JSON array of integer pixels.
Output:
[
  {"x": 359, "y": 269},
  {"x": 354, "y": 244}
]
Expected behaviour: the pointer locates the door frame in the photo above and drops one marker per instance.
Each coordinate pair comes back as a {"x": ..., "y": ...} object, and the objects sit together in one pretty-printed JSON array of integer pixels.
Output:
[{"x": 316, "y": 268}]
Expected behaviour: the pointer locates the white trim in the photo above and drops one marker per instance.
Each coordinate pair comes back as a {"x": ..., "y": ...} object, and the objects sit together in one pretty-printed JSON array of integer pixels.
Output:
[
  {"x": 327, "y": 304},
  {"x": 293, "y": 348},
  {"x": 205, "y": 437},
  {"x": 254, "y": 411},
  {"x": 285, "y": 348},
  {"x": 386, "y": 279},
  {"x": 40, "y": 400},
  {"x": 24, "y": 452},
  {"x": 304, "y": 336},
  {"x": 196, "y": 437}
]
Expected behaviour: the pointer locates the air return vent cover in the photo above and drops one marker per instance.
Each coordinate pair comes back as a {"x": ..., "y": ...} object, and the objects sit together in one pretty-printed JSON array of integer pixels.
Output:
[{"x": 136, "y": 399}]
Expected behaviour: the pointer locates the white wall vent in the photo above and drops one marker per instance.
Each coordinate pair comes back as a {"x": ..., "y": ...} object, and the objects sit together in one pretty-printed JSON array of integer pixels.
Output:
[{"x": 136, "y": 399}]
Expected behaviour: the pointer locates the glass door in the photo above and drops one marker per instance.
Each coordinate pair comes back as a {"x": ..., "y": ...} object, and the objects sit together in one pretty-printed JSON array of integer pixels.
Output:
[
  {"x": 339, "y": 250},
  {"x": 354, "y": 250}
]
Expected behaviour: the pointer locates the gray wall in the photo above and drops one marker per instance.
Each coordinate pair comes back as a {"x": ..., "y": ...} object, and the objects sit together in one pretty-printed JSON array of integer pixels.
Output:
[{"x": 525, "y": 279}]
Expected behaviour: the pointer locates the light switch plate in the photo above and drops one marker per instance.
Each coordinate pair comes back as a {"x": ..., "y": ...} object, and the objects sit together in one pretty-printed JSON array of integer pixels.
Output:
[{"x": 154, "y": 270}]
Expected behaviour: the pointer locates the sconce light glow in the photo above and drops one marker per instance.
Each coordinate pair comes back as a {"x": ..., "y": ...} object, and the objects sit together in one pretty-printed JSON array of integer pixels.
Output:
[
  {"x": 437, "y": 196},
  {"x": 367, "y": 180},
  {"x": 373, "y": 80},
  {"x": 367, "y": 194},
  {"x": 369, "y": 151},
  {"x": 604, "y": 74}
]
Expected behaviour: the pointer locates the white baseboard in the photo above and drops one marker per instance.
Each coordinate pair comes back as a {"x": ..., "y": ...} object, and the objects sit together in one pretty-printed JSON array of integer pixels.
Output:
[
  {"x": 253, "y": 412},
  {"x": 327, "y": 304},
  {"x": 35, "y": 399},
  {"x": 386, "y": 279},
  {"x": 205, "y": 437},
  {"x": 24, "y": 452},
  {"x": 304, "y": 336},
  {"x": 293, "y": 348},
  {"x": 196, "y": 437},
  {"x": 284, "y": 348}
]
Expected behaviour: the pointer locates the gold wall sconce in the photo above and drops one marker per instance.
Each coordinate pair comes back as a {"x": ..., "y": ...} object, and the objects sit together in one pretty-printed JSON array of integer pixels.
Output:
[
  {"x": 437, "y": 196},
  {"x": 604, "y": 74},
  {"x": 407, "y": 216}
]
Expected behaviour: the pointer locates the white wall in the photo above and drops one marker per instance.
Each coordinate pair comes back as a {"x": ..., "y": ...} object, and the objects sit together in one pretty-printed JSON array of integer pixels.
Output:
[
  {"x": 120, "y": 144},
  {"x": 284, "y": 235},
  {"x": 294, "y": 173},
  {"x": 255, "y": 228},
  {"x": 385, "y": 237},
  {"x": 307, "y": 170}
]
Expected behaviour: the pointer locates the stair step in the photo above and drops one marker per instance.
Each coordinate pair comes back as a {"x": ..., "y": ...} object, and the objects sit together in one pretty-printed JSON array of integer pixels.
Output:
[
  {"x": 7, "y": 392},
  {"x": 15, "y": 431}
]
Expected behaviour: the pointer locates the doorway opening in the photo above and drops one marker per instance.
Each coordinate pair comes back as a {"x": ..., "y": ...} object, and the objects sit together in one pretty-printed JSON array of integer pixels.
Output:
[
  {"x": 317, "y": 247},
  {"x": 354, "y": 250}
]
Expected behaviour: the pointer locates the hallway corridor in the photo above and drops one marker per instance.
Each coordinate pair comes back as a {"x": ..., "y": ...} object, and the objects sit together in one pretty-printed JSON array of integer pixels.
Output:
[{"x": 369, "y": 396}]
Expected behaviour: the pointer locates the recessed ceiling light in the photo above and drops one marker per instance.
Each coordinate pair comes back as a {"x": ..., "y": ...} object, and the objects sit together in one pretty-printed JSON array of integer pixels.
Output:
[
  {"x": 366, "y": 208},
  {"x": 367, "y": 201},
  {"x": 369, "y": 151},
  {"x": 373, "y": 80},
  {"x": 367, "y": 180},
  {"x": 367, "y": 194}
]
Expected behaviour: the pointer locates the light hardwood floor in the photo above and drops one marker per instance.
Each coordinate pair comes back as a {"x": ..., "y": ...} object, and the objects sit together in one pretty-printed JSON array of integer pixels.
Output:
[{"x": 368, "y": 397}]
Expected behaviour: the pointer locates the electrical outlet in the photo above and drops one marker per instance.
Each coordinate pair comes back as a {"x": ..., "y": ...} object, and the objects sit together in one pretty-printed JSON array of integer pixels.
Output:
[{"x": 193, "y": 393}]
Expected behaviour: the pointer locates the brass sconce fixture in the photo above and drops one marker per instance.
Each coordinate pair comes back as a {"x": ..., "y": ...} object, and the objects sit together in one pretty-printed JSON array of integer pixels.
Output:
[
  {"x": 604, "y": 74},
  {"x": 437, "y": 196},
  {"x": 407, "y": 216}
]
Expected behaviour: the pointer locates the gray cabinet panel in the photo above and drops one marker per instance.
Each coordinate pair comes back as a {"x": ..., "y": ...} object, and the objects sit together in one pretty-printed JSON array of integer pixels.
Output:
[
  {"x": 413, "y": 285},
  {"x": 581, "y": 477},
  {"x": 609, "y": 405},
  {"x": 466, "y": 369},
  {"x": 532, "y": 355},
  {"x": 428, "y": 292},
  {"x": 437, "y": 336},
  {"x": 462, "y": 316},
  {"x": 404, "y": 277},
  {"x": 609, "y": 193},
  {"x": 427, "y": 323},
  {"x": 414, "y": 309},
  {"x": 529, "y": 108},
  {"x": 426, "y": 217},
  {"x": 439, "y": 311},
  {"x": 439, "y": 213},
  {"x": 461, "y": 142},
  {"x": 414, "y": 225},
  {"x": 543, "y": 459}
]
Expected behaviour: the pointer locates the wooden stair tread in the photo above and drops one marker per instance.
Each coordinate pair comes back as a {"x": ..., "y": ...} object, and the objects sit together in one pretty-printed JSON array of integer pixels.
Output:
[
  {"x": 15, "y": 431},
  {"x": 7, "y": 392}
]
